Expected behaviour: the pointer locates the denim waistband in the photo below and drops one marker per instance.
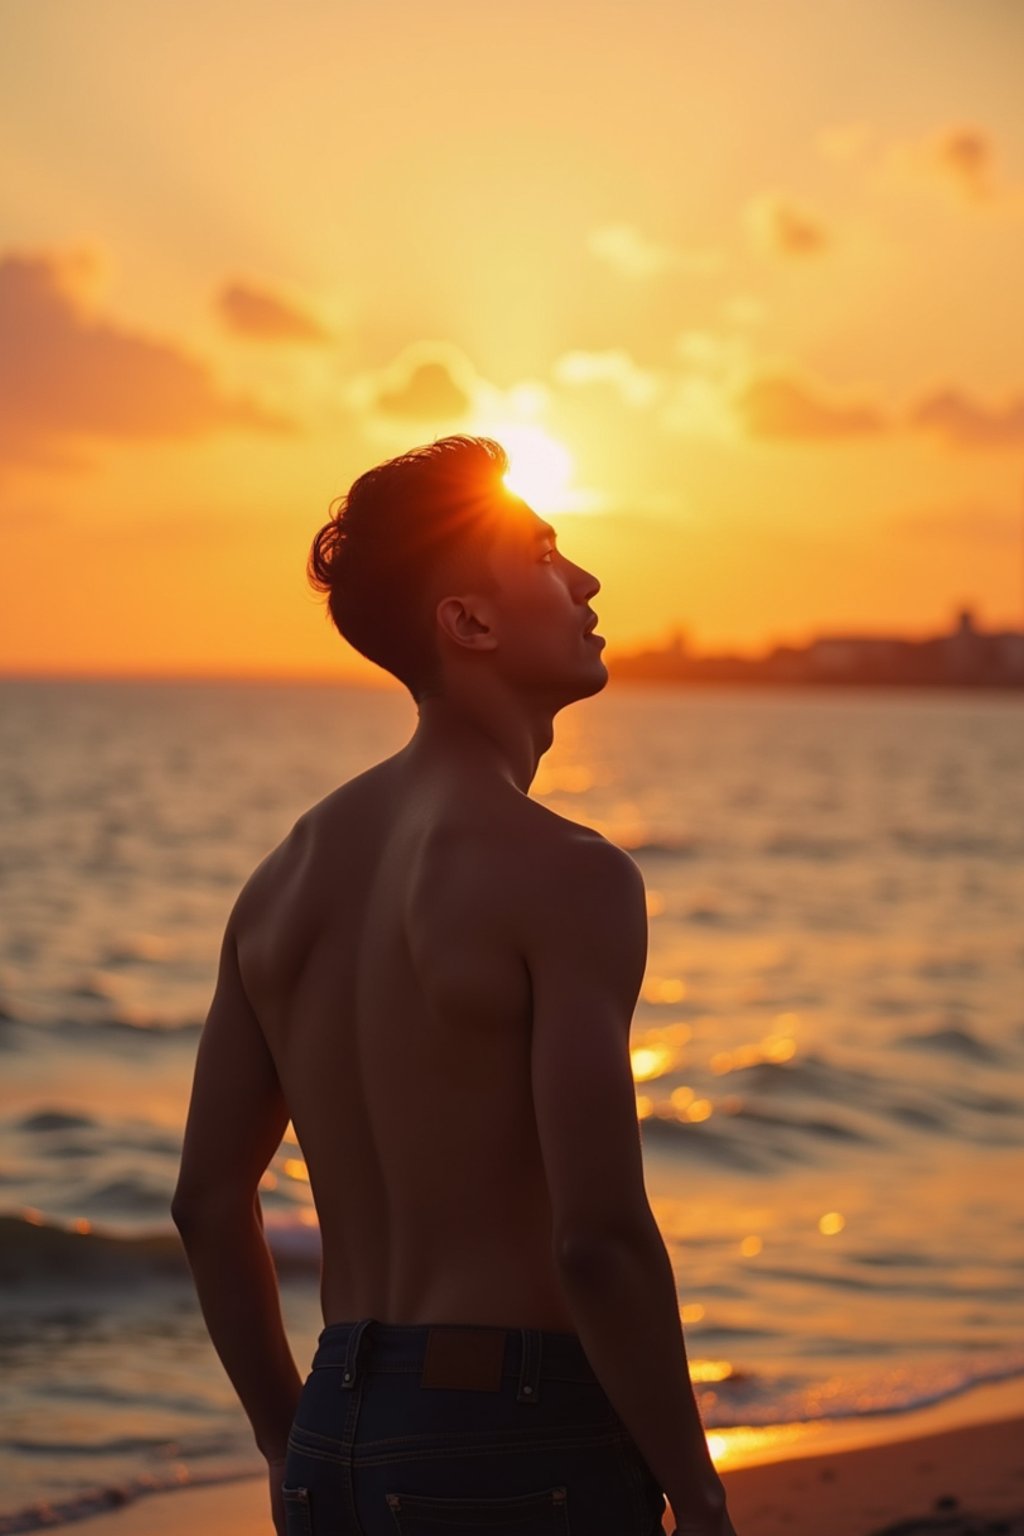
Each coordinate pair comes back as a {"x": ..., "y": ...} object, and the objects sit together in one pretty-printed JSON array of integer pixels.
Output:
[{"x": 526, "y": 1353}]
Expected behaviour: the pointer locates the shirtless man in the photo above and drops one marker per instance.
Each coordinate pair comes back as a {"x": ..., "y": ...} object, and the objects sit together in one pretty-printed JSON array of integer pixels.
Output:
[{"x": 433, "y": 976}]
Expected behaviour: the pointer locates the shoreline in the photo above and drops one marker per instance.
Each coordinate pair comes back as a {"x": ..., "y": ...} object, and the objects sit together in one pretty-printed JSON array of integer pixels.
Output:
[{"x": 949, "y": 1467}]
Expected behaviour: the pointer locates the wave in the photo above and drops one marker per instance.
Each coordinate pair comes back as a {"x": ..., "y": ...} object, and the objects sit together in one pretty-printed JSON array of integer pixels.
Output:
[
  {"x": 126, "y": 1025},
  {"x": 43, "y": 1517},
  {"x": 854, "y": 1397},
  {"x": 952, "y": 1040},
  {"x": 36, "y": 1253},
  {"x": 670, "y": 848}
]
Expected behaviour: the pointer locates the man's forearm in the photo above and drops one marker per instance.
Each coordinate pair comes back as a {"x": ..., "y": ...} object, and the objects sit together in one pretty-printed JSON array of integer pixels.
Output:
[
  {"x": 623, "y": 1302},
  {"x": 238, "y": 1293}
]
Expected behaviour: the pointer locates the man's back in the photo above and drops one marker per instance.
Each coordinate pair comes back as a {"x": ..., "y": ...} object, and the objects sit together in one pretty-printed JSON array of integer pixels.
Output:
[{"x": 378, "y": 947}]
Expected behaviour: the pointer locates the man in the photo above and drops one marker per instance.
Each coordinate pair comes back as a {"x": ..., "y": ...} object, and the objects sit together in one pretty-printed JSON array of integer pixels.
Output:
[{"x": 434, "y": 976}]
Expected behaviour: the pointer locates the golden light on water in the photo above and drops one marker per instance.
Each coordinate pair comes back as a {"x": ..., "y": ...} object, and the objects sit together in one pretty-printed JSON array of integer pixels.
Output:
[
  {"x": 650, "y": 1061},
  {"x": 831, "y": 1223},
  {"x": 751, "y": 1246},
  {"x": 718, "y": 1447},
  {"x": 746, "y": 1445},
  {"x": 664, "y": 989},
  {"x": 295, "y": 1168},
  {"x": 700, "y": 1109},
  {"x": 774, "y": 1048},
  {"x": 692, "y": 1312},
  {"x": 710, "y": 1370}
]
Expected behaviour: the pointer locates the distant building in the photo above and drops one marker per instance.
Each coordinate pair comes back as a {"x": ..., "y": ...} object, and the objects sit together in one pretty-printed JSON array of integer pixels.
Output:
[{"x": 967, "y": 657}]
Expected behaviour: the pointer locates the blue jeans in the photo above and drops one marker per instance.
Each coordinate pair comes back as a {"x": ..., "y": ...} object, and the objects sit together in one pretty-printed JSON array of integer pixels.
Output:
[{"x": 418, "y": 1430}]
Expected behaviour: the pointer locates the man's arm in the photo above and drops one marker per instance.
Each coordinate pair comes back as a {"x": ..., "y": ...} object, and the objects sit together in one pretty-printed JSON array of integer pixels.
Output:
[
  {"x": 585, "y": 945},
  {"x": 236, "y": 1119}
]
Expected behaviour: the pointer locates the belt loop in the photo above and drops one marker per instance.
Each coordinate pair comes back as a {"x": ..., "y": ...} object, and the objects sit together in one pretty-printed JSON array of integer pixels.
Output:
[
  {"x": 349, "y": 1373},
  {"x": 529, "y": 1370}
]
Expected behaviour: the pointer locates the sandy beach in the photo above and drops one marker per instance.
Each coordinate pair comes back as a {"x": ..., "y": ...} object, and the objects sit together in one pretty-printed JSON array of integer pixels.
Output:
[{"x": 965, "y": 1481}]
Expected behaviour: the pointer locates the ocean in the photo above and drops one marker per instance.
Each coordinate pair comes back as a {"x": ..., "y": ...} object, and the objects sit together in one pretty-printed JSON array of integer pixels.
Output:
[{"x": 828, "y": 1048}]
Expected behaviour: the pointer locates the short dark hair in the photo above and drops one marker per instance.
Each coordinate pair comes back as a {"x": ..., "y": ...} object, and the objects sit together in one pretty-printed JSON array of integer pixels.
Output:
[{"x": 379, "y": 557}]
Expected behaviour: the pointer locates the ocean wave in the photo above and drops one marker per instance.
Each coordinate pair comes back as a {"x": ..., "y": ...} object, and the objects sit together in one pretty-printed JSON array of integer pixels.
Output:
[
  {"x": 37, "y": 1253},
  {"x": 951, "y": 1040},
  {"x": 897, "y": 1390},
  {"x": 44, "y": 1516},
  {"x": 819, "y": 850},
  {"x": 669, "y": 848},
  {"x": 125, "y": 1025},
  {"x": 56, "y": 1120}
]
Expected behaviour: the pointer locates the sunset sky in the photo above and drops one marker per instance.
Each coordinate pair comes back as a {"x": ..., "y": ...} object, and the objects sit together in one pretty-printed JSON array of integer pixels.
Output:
[{"x": 740, "y": 283}]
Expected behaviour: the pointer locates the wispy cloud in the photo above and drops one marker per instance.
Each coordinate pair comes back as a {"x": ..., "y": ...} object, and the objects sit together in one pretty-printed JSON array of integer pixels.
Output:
[
  {"x": 262, "y": 315},
  {"x": 634, "y": 255},
  {"x": 781, "y": 407},
  {"x": 961, "y": 159},
  {"x": 965, "y": 422},
  {"x": 68, "y": 374},
  {"x": 783, "y": 227},
  {"x": 429, "y": 382},
  {"x": 967, "y": 157},
  {"x": 634, "y": 385}
]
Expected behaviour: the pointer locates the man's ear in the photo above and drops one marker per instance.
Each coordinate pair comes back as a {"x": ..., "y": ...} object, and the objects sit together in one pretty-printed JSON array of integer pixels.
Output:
[{"x": 466, "y": 621}]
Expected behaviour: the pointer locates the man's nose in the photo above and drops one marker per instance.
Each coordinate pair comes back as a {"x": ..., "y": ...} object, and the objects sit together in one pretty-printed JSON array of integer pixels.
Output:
[{"x": 586, "y": 585}]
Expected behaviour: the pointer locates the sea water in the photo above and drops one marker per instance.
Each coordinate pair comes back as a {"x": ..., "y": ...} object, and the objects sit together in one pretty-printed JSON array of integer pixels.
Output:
[{"x": 828, "y": 1048}]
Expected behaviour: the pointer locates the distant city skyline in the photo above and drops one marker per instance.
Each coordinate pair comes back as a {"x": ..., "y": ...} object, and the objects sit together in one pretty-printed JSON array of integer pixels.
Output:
[{"x": 966, "y": 656}]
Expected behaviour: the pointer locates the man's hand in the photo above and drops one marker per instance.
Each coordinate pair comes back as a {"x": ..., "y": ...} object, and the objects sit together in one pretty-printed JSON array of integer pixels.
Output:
[
  {"x": 702, "y": 1513},
  {"x": 275, "y": 1471}
]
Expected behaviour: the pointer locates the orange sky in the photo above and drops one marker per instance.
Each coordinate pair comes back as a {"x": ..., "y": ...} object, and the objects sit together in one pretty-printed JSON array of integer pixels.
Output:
[{"x": 738, "y": 283}]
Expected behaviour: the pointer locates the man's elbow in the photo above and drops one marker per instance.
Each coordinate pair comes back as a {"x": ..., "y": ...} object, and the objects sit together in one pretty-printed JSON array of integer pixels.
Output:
[
  {"x": 212, "y": 1207},
  {"x": 186, "y": 1211}
]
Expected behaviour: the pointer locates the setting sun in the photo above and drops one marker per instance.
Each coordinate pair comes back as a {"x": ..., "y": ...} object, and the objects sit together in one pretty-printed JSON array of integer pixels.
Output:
[{"x": 540, "y": 468}]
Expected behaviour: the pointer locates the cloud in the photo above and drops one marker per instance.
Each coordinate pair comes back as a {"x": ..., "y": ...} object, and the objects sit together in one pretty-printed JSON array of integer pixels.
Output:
[
  {"x": 68, "y": 374},
  {"x": 775, "y": 406},
  {"x": 429, "y": 382},
  {"x": 961, "y": 159},
  {"x": 631, "y": 254},
  {"x": 784, "y": 228},
  {"x": 265, "y": 316},
  {"x": 965, "y": 156},
  {"x": 636, "y": 386},
  {"x": 954, "y": 416}
]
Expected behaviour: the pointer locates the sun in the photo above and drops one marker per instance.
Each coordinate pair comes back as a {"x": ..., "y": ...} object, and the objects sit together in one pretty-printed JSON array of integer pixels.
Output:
[{"x": 540, "y": 468}]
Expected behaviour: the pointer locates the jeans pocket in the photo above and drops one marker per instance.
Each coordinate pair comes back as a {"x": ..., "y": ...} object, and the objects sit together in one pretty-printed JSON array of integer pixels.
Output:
[
  {"x": 298, "y": 1513},
  {"x": 527, "y": 1514}
]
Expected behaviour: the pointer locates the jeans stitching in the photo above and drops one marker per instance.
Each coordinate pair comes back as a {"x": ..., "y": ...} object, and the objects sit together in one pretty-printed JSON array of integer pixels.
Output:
[
  {"x": 558, "y": 1504},
  {"x": 494, "y": 1450}
]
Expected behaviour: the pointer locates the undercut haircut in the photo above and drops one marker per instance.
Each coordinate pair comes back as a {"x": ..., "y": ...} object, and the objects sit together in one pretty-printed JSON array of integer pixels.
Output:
[{"x": 400, "y": 530}]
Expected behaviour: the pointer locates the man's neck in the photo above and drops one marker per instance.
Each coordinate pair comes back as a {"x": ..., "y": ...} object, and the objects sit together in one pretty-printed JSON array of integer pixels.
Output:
[{"x": 489, "y": 739}]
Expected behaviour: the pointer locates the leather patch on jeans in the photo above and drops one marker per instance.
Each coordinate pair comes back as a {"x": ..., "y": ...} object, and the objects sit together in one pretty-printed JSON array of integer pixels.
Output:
[{"x": 467, "y": 1359}]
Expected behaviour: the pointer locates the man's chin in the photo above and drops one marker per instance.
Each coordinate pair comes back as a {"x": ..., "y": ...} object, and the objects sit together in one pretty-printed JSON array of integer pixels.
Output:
[{"x": 597, "y": 679}]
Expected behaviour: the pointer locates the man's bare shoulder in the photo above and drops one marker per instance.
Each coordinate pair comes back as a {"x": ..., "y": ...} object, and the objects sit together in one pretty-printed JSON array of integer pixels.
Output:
[
  {"x": 311, "y": 832},
  {"x": 565, "y": 858}
]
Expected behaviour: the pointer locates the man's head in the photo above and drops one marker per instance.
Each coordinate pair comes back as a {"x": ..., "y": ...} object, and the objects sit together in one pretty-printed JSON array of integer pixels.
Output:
[{"x": 437, "y": 572}]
